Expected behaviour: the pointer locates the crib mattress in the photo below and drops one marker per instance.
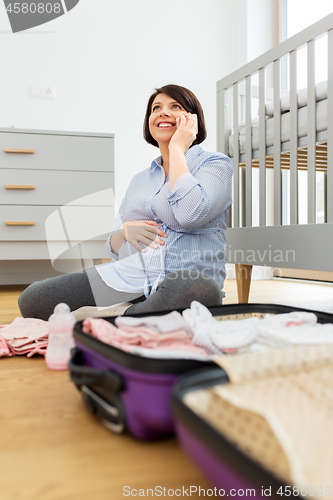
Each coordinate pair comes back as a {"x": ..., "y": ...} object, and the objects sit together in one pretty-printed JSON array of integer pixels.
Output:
[{"x": 321, "y": 125}]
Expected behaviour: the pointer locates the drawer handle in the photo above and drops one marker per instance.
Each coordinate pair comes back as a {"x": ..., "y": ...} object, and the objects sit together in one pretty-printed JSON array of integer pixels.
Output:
[
  {"x": 19, "y": 150},
  {"x": 20, "y": 222},
  {"x": 20, "y": 186}
]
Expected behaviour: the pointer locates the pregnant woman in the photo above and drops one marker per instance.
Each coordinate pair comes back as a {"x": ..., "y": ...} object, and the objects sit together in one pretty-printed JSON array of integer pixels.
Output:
[{"x": 168, "y": 239}]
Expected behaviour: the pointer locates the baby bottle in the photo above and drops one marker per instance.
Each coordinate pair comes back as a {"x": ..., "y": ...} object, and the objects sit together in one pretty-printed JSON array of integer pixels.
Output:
[{"x": 61, "y": 324}]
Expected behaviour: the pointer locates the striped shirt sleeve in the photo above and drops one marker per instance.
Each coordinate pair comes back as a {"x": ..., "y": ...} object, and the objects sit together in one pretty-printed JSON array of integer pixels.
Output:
[{"x": 197, "y": 199}]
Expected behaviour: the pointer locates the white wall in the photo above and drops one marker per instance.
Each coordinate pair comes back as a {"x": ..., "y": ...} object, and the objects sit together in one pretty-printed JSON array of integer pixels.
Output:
[
  {"x": 105, "y": 57},
  {"x": 260, "y": 32}
]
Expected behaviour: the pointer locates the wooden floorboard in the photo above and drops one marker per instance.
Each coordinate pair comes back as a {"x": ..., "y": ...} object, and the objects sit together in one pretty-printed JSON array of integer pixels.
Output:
[
  {"x": 313, "y": 295},
  {"x": 9, "y": 309}
]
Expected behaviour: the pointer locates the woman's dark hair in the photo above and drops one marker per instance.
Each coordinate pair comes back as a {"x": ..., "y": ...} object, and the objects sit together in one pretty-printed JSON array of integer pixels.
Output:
[{"x": 189, "y": 102}]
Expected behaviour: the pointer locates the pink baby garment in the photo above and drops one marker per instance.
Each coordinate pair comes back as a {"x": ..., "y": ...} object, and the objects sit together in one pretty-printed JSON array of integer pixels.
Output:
[
  {"x": 140, "y": 336},
  {"x": 24, "y": 336}
]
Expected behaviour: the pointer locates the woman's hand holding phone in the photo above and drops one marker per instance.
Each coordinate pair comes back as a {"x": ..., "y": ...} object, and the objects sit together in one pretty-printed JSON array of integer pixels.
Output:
[
  {"x": 187, "y": 129},
  {"x": 185, "y": 135}
]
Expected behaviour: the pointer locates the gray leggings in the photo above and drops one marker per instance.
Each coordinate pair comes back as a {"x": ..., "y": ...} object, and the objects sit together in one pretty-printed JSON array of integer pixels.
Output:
[{"x": 86, "y": 288}]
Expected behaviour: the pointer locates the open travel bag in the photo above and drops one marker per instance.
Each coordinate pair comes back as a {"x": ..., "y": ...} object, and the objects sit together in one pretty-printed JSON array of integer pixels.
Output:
[{"x": 258, "y": 420}]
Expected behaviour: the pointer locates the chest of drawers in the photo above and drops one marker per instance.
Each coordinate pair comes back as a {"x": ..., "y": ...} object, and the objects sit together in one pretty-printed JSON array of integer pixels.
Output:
[{"x": 56, "y": 202}]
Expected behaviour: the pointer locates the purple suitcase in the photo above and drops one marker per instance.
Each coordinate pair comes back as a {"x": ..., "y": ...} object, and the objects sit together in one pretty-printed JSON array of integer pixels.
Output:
[
  {"x": 129, "y": 392},
  {"x": 125, "y": 391}
]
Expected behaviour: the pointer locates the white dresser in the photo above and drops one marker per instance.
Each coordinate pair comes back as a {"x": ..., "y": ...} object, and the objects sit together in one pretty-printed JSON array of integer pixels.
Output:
[{"x": 56, "y": 202}]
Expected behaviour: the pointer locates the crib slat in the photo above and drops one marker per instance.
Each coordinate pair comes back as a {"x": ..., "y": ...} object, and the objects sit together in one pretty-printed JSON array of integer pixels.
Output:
[
  {"x": 235, "y": 158},
  {"x": 248, "y": 156},
  {"x": 221, "y": 124},
  {"x": 330, "y": 128},
  {"x": 277, "y": 146},
  {"x": 311, "y": 155},
  {"x": 223, "y": 127},
  {"x": 262, "y": 148},
  {"x": 293, "y": 139},
  {"x": 242, "y": 174}
]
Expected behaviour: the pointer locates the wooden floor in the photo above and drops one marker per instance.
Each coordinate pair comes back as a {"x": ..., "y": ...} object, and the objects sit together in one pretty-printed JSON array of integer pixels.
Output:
[
  {"x": 310, "y": 295},
  {"x": 51, "y": 448}
]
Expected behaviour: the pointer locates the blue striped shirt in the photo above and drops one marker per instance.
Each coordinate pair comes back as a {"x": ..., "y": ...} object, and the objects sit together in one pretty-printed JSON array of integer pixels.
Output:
[{"x": 194, "y": 215}]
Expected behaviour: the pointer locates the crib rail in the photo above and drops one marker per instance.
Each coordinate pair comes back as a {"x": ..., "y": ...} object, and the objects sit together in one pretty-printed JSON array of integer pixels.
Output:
[
  {"x": 239, "y": 84},
  {"x": 330, "y": 127}
]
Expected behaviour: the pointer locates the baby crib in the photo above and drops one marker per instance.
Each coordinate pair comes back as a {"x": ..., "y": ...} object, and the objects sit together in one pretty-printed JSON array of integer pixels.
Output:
[{"x": 276, "y": 133}]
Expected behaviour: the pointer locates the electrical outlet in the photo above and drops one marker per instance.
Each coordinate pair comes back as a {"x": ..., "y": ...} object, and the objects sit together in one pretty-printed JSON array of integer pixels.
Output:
[
  {"x": 49, "y": 92},
  {"x": 43, "y": 92},
  {"x": 36, "y": 91}
]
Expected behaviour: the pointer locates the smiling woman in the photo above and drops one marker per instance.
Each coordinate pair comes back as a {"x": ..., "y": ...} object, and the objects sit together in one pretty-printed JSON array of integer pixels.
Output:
[
  {"x": 168, "y": 239},
  {"x": 180, "y": 99},
  {"x": 174, "y": 109}
]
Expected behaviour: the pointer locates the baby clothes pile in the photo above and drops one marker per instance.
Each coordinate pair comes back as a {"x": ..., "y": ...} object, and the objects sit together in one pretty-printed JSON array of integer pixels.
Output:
[
  {"x": 153, "y": 336},
  {"x": 196, "y": 334},
  {"x": 255, "y": 334},
  {"x": 24, "y": 336}
]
